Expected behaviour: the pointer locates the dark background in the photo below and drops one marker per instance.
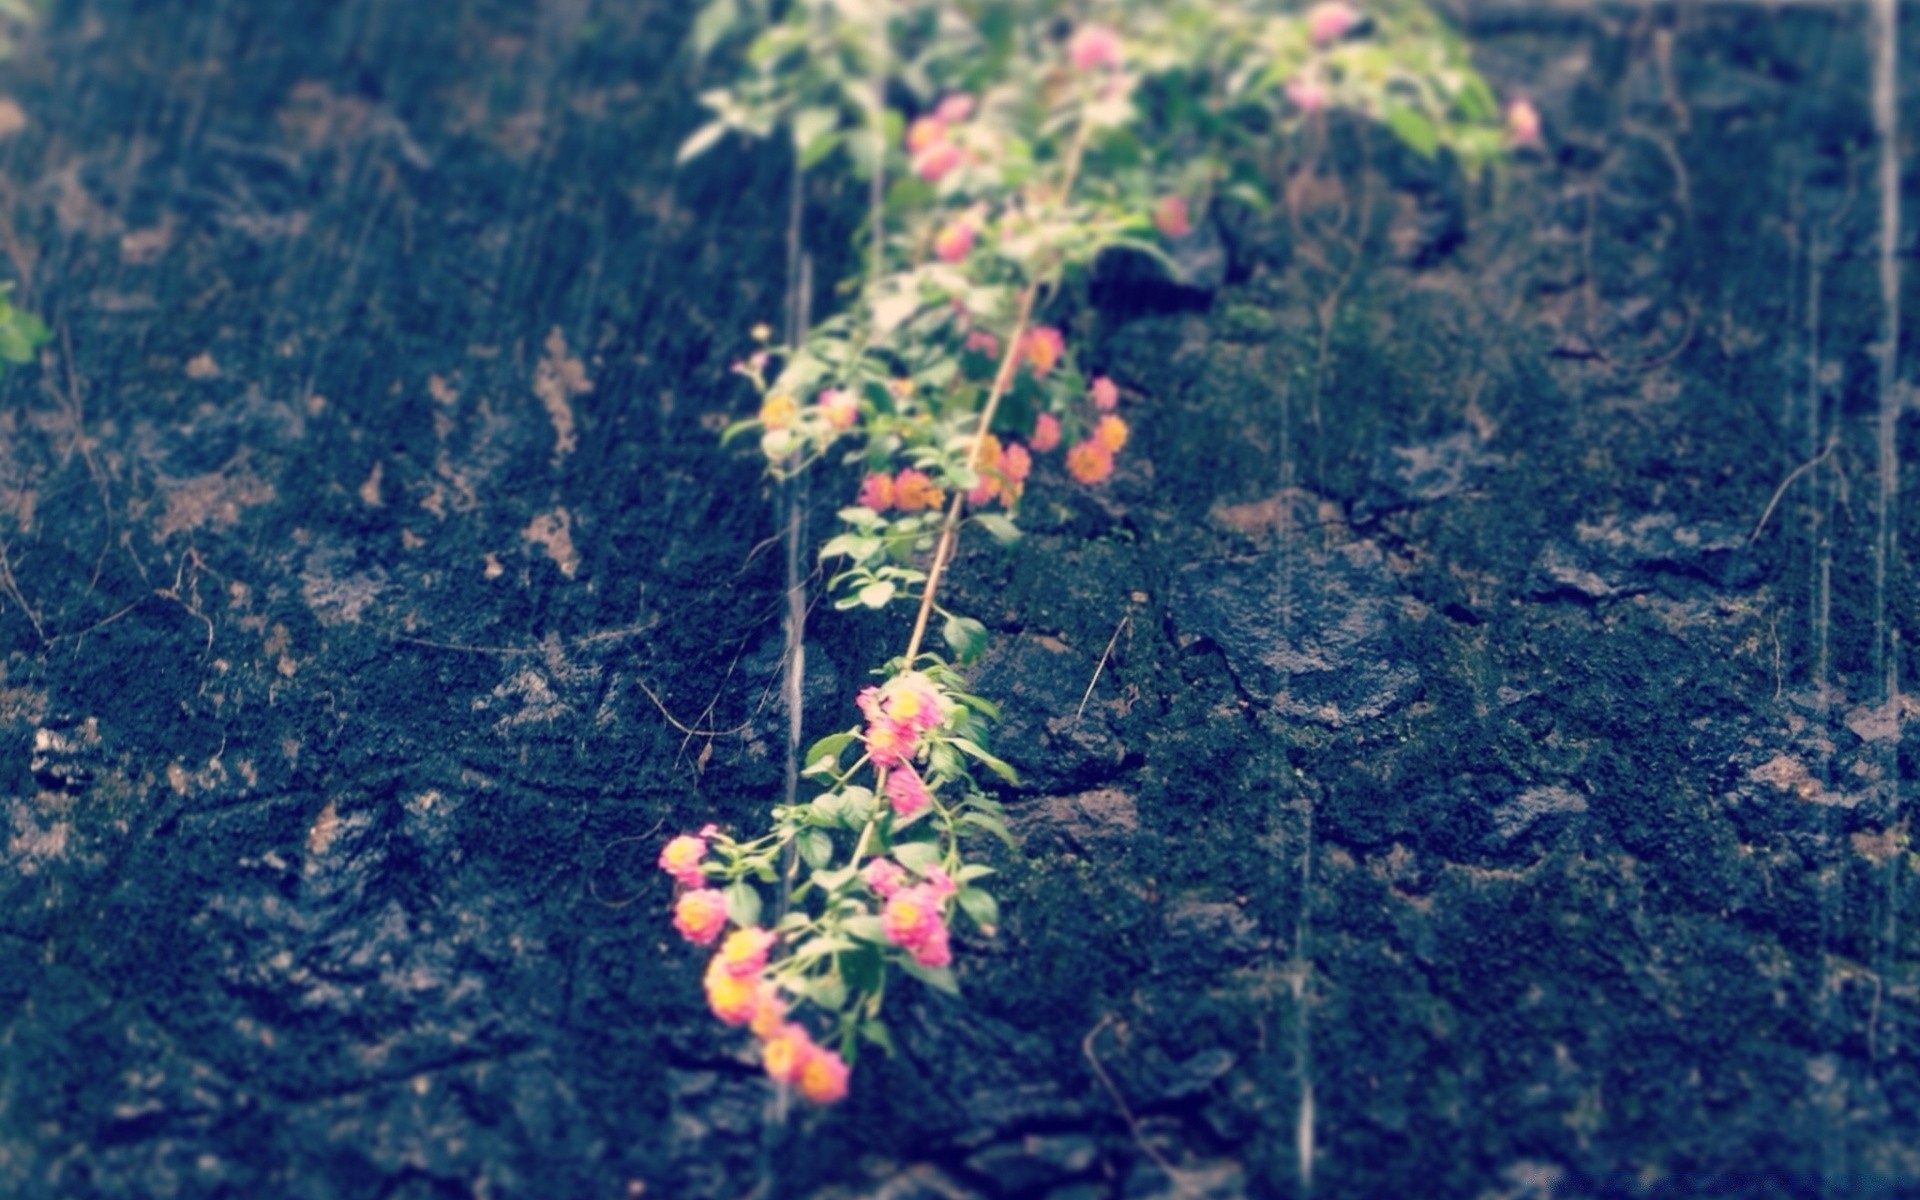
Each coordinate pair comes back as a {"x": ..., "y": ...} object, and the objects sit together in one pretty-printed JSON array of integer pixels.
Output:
[{"x": 1466, "y": 786}]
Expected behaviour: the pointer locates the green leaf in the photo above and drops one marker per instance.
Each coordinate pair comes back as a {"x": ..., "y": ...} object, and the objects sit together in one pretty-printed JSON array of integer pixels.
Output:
[
  {"x": 1000, "y": 526},
  {"x": 992, "y": 824},
  {"x": 1415, "y": 130},
  {"x": 867, "y": 929},
  {"x": 876, "y": 1032},
  {"x": 820, "y": 149},
  {"x": 966, "y": 636},
  {"x": 973, "y": 871},
  {"x": 938, "y": 978},
  {"x": 982, "y": 907},
  {"x": 828, "y": 991},
  {"x": 993, "y": 764},
  {"x": 701, "y": 140},
  {"x": 876, "y": 594},
  {"x": 712, "y": 25},
  {"x": 856, "y": 808},
  {"x": 828, "y": 809},
  {"x": 816, "y": 848},
  {"x": 743, "y": 904},
  {"x": 827, "y": 751},
  {"x": 918, "y": 857},
  {"x": 810, "y": 125}
]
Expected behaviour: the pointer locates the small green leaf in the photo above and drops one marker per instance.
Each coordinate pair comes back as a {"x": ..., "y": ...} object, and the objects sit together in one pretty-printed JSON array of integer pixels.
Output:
[
  {"x": 1415, "y": 130},
  {"x": 876, "y": 594},
  {"x": 993, "y": 764},
  {"x": 743, "y": 904},
  {"x": 992, "y": 824},
  {"x": 973, "y": 871},
  {"x": 867, "y": 929},
  {"x": 1000, "y": 526},
  {"x": 938, "y": 978},
  {"x": 824, "y": 755},
  {"x": 701, "y": 140},
  {"x": 875, "y": 1031},
  {"x": 982, "y": 907},
  {"x": 918, "y": 857},
  {"x": 816, "y": 848},
  {"x": 828, "y": 991},
  {"x": 965, "y": 636},
  {"x": 712, "y": 25},
  {"x": 828, "y": 809}
]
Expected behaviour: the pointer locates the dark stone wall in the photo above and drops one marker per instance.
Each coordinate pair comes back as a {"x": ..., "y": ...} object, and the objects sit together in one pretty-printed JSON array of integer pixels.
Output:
[{"x": 1426, "y": 761}]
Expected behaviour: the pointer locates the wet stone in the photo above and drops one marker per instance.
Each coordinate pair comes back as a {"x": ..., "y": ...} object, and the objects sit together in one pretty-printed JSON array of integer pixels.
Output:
[
  {"x": 1404, "y": 476},
  {"x": 1613, "y": 557},
  {"x": 1035, "y": 1161},
  {"x": 1309, "y": 628}
]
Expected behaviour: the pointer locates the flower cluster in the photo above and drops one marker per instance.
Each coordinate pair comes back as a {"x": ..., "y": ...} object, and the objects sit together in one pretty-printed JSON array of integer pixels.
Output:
[
  {"x": 899, "y": 713},
  {"x": 951, "y": 377},
  {"x": 738, "y": 991},
  {"x": 914, "y": 915}
]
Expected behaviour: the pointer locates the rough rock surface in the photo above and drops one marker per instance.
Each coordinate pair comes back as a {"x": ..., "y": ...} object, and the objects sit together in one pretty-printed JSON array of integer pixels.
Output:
[{"x": 1425, "y": 761}]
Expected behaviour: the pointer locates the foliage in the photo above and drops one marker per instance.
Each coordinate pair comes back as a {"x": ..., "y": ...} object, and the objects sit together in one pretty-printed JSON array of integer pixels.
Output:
[{"x": 1008, "y": 144}]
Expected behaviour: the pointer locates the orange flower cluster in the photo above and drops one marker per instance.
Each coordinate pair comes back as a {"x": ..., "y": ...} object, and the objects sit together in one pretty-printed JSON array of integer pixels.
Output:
[{"x": 909, "y": 491}]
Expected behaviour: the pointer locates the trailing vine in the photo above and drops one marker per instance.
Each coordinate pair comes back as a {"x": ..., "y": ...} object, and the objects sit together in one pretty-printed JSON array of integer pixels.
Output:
[{"x": 1007, "y": 145}]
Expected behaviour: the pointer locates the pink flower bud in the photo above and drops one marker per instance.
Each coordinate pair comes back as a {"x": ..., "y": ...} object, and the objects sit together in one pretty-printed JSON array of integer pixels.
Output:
[
  {"x": 955, "y": 108},
  {"x": 1306, "y": 95},
  {"x": 924, "y": 133},
  {"x": 841, "y": 408},
  {"x": 876, "y": 492},
  {"x": 1046, "y": 432},
  {"x": 954, "y": 242},
  {"x": 823, "y": 1080},
  {"x": 884, "y": 876},
  {"x": 1330, "y": 20},
  {"x": 907, "y": 792},
  {"x": 1171, "y": 218},
  {"x": 936, "y": 161},
  {"x": 1523, "y": 123},
  {"x": 1106, "y": 394},
  {"x": 1094, "y": 47}
]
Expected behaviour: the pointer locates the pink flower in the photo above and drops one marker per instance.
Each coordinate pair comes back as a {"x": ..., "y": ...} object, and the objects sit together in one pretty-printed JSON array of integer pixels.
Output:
[
  {"x": 982, "y": 342},
  {"x": 1042, "y": 348},
  {"x": 925, "y": 133},
  {"x": 841, "y": 408},
  {"x": 1330, "y": 20},
  {"x": 909, "y": 698},
  {"x": 912, "y": 916},
  {"x": 786, "y": 1053},
  {"x": 1523, "y": 123},
  {"x": 733, "y": 999},
  {"x": 889, "y": 743},
  {"x": 933, "y": 163},
  {"x": 823, "y": 1080},
  {"x": 1106, "y": 394},
  {"x": 1171, "y": 217},
  {"x": 701, "y": 915},
  {"x": 907, "y": 792},
  {"x": 955, "y": 108},
  {"x": 1046, "y": 432},
  {"x": 1306, "y": 95},
  {"x": 1017, "y": 464},
  {"x": 884, "y": 876},
  {"x": 954, "y": 242},
  {"x": 682, "y": 857},
  {"x": 934, "y": 951},
  {"x": 876, "y": 492},
  {"x": 939, "y": 882},
  {"x": 1094, "y": 47},
  {"x": 745, "y": 952}
]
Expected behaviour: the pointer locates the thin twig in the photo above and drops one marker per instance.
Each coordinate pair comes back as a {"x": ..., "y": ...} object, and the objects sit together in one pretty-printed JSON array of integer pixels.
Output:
[
  {"x": 1133, "y": 1123},
  {"x": 1101, "y": 665},
  {"x": 1786, "y": 483}
]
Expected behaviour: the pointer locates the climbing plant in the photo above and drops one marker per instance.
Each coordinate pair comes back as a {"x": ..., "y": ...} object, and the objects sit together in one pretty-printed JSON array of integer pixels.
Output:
[{"x": 1007, "y": 145}]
